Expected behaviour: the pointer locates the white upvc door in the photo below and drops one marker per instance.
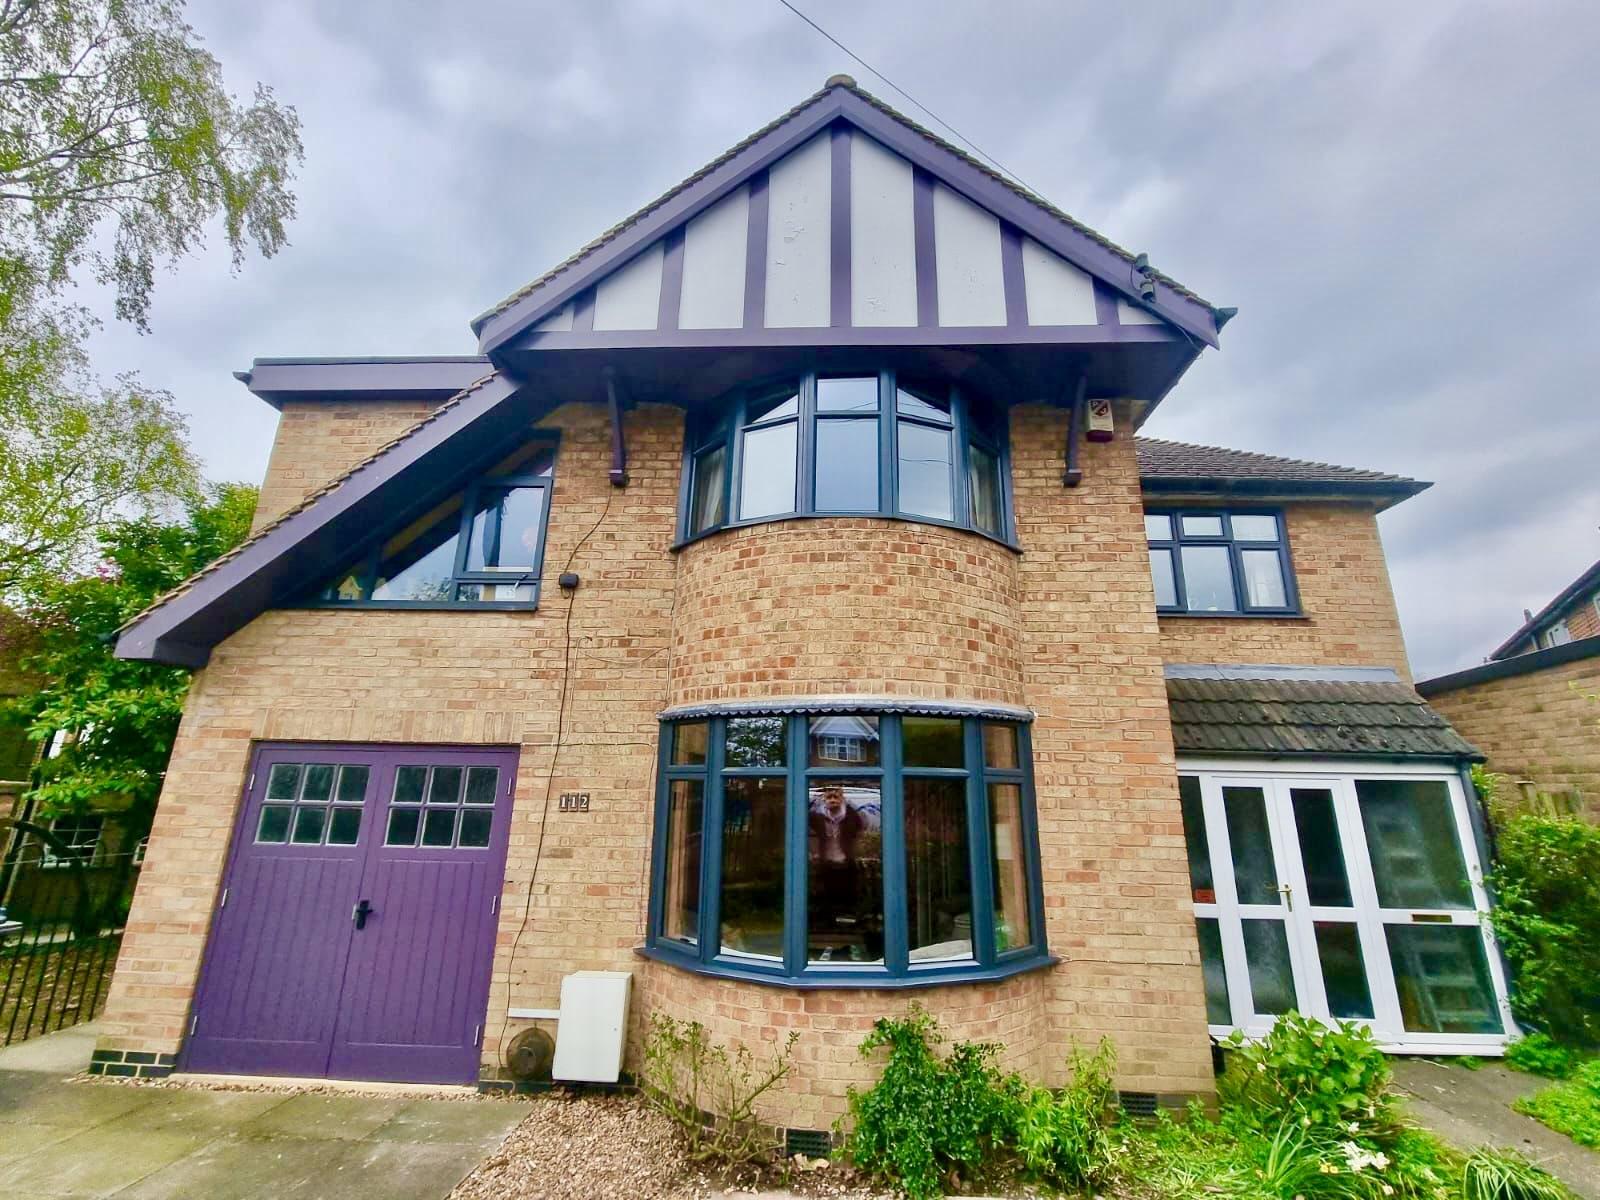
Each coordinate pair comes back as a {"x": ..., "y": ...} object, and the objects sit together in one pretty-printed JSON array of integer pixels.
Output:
[{"x": 1346, "y": 895}]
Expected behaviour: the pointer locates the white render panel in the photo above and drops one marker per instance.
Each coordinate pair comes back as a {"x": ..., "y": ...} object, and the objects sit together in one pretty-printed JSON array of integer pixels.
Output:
[
  {"x": 799, "y": 252},
  {"x": 966, "y": 242},
  {"x": 883, "y": 243},
  {"x": 630, "y": 297},
  {"x": 1129, "y": 314},
  {"x": 559, "y": 321},
  {"x": 1058, "y": 292},
  {"x": 713, "y": 265}
]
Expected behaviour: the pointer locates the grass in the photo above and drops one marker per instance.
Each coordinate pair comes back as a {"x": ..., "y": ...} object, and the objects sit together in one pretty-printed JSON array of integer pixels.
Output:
[{"x": 1571, "y": 1107}]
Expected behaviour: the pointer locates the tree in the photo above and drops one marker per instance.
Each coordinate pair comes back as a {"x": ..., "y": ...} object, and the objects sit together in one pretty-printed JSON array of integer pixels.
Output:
[
  {"x": 119, "y": 148},
  {"x": 118, "y": 718}
]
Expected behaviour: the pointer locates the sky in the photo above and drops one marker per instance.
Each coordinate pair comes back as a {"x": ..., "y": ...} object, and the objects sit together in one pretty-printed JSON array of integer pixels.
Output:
[{"x": 1400, "y": 200}]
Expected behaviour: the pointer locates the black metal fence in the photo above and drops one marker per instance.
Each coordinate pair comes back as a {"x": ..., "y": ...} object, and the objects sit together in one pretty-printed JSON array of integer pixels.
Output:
[{"x": 63, "y": 901}]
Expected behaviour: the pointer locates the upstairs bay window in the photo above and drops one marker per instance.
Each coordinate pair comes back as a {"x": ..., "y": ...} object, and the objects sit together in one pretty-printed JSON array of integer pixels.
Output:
[
  {"x": 823, "y": 849},
  {"x": 1216, "y": 562},
  {"x": 482, "y": 547},
  {"x": 825, "y": 445}
]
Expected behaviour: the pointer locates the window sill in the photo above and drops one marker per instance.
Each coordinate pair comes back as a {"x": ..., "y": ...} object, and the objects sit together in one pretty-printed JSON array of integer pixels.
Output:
[
  {"x": 858, "y": 979},
  {"x": 1185, "y": 615},
  {"x": 681, "y": 543}
]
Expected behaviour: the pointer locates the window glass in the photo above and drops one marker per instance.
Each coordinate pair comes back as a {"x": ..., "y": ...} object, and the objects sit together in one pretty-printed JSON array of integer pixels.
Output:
[
  {"x": 1009, "y": 866},
  {"x": 1344, "y": 972},
  {"x": 689, "y": 741},
  {"x": 983, "y": 488},
  {"x": 274, "y": 823},
  {"x": 909, "y": 404},
  {"x": 1000, "y": 745},
  {"x": 1254, "y": 527},
  {"x": 1317, "y": 831},
  {"x": 846, "y": 740},
  {"x": 1166, "y": 583},
  {"x": 926, "y": 479},
  {"x": 1411, "y": 839},
  {"x": 755, "y": 742},
  {"x": 848, "y": 395},
  {"x": 1218, "y": 1010},
  {"x": 420, "y": 565},
  {"x": 500, "y": 592},
  {"x": 844, "y": 876},
  {"x": 774, "y": 408},
  {"x": 1158, "y": 527},
  {"x": 1194, "y": 836},
  {"x": 847, "y": 466},
  {"x": 707, "y": 503},
  {"x": 353, "y": 784},
  {"x": 1202, "y": 525},
  {"x": 766, "y": 477},
  {"x": 1208, "y": 579},
  {"x": 1442, "y": 976},
  {"x": 932, "y": 742},
  {"x": 506, "y": 529},
  {"x": 1255, "y": 868},
  {"x": 1266, "y": 955},
  {"x": 938, "y": 870},
  {"x": 680, "y": 914},
  {"x": 1263, "y": 579},
  {"x": 754, "y": 823}
]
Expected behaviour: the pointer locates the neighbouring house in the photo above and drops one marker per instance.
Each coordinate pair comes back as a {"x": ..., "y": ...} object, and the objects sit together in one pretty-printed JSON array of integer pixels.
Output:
[
  {"x": 1534, "y": 707},
  {"x": 782, "y": 610}
]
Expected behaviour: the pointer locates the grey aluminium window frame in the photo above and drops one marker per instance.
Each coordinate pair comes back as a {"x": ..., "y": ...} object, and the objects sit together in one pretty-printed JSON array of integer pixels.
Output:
[
  {"x": 1236, "y": 547},
  {"x": 724, "y": 429},
  {"x": 372, "y": 552},
  {"x": 705, "y": 955}
]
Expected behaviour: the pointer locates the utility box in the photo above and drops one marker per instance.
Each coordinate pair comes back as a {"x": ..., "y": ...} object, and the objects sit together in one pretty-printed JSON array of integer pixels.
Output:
[{"x": 594, "y": 1022}]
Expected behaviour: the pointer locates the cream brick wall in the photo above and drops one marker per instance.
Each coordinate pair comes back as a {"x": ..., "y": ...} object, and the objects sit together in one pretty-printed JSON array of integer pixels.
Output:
[{"x": 1349, "y": 617}]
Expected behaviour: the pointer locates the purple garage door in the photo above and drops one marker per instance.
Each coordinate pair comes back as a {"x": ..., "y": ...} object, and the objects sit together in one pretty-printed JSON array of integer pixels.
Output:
[{"x": 354, "y": 934}]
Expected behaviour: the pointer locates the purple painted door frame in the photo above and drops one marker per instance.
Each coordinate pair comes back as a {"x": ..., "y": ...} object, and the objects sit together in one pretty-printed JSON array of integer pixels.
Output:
[{"x": 337, "y": 949}]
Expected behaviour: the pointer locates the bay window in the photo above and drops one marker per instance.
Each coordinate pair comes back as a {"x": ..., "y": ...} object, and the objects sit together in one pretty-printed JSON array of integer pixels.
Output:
[{"x": 823, "y": 848}]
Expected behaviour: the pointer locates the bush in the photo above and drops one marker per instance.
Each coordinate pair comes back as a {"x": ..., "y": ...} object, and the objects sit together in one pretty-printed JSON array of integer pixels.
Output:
[
  {"x": 1325, "y": 1078},
  {"x": 1067, "y": 1138},
  {"x": 1572, "y": 1108},
  {"x": 1547, "y": 885},
  {"x": 1506, "y": 1175},
  {"x": 1541, "y": 1054},
  {"x": 710, "y": 1092},
  {"x": 930, "y": 1117}
]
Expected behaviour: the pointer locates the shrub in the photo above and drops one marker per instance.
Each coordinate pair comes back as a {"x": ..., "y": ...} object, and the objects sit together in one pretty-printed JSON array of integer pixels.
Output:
[
  {"x": 1572, "y": 1108},
  {"x": 1326, "y": 1078},
  {"x": 1547, "y": 884},
  {"x": 1506, "y": 1175},
  {"x": 1541, "y": 1054},
  {"x": 710, "y": 1092},
  {"x": 1067, "y": 1138}
]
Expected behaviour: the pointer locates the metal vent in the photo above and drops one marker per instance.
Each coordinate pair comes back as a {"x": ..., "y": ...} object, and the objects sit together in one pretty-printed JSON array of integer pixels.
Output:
[
  {"x": 813, "y": 1143},
  {"x": 1139, "y": 1104}
]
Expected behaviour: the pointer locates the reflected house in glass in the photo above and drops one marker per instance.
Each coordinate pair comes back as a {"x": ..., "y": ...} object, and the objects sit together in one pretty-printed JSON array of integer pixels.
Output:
[{"x": 774, "y": 526}]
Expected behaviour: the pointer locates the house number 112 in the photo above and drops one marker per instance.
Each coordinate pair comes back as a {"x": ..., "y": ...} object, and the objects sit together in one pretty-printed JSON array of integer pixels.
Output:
[{"x": 574, "y": 801}]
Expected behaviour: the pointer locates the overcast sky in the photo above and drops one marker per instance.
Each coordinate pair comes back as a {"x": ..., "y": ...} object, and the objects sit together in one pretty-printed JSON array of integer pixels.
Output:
[{"x": 1401, "y": 199}]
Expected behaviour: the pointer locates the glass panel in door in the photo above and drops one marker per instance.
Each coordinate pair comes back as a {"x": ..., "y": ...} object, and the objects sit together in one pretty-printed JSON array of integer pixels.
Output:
[{"x": 1255, "y": 907}]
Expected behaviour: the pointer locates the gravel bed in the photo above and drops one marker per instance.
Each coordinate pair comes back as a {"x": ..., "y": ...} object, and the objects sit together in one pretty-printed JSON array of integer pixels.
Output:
[
  {"x": 583, "y": 1147},
  {"x": 174, "y": 1083}
]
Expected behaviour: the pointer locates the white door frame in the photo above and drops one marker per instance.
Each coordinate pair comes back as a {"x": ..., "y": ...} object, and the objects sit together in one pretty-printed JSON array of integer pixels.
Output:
[{"x": 1275, "y": 779}]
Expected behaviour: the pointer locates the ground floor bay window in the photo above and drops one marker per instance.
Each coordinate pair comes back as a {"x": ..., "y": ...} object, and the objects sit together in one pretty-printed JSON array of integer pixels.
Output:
[
  {"x": 870, "y": 847},
  {"x": 1346, "y": 894}
]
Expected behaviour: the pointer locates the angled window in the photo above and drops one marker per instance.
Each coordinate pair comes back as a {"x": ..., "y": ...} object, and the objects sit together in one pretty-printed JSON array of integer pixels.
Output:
[
  {"x": 1220, "y": 562},
  {"x": 850, "y": 848},
  {"x": 483, "y": 546},
  {"x": 837, "y": 445}
]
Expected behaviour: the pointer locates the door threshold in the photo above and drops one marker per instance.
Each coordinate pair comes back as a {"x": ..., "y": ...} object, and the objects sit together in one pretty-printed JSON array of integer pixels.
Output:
[{"x": 310, "y": 1082}]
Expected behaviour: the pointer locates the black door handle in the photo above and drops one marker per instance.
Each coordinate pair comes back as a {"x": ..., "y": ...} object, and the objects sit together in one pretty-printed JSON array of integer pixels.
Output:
[{"x": 360, "y": 914}]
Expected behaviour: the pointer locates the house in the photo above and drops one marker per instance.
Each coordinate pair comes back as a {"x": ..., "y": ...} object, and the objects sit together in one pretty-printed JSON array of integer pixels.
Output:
[
  {"x": 1534, "y": 706},
  {"x": 782, "y": 610}
]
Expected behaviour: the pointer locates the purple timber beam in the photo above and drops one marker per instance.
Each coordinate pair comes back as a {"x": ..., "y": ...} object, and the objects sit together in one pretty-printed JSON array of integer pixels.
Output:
[
  {"x": 886, "y": 336},
  {"x": 922, "y": 239},
  {"x": 755, "y": 256},
  {"x": 276, "y": 380},
  {"x": 839, "y": 229},
  {"x": 1105, "y": 305},
  {"x": 671, "y": 281},
  {"x": 1016, "y": 289}
]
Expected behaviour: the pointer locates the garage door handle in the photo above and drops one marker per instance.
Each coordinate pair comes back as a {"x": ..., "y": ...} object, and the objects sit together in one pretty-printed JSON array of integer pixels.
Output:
[{"x": 359, "y": 914}]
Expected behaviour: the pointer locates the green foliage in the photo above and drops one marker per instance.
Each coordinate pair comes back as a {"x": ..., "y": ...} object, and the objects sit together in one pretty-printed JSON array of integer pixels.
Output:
[
  {"x": 119, "y": 717},
  {"x": 710, "y": 1092},
  {"x": 1541, "y": 1054},
  {"x": 929, "y": 1116},
  {"x": 1547, "y": 884},
  {"x": 1506, "y": 1175},
  {"x": 1067, "y": 1138},
  {"x": 1305, "y": 1071},
  {"x": 1572, "y": 1107}
]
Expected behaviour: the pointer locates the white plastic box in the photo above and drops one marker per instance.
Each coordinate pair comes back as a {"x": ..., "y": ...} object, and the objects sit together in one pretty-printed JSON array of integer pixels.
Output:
[{"x": 594, "y": 1018}]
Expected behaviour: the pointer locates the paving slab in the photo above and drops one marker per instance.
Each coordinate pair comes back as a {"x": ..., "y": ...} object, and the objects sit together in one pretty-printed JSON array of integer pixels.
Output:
[
  {"x": 64, "y": 1052},
  {"x": 433, "y": 1122},
  {"x": 19, "y": 1139},
  {"x": 236, "y": 1168},
  {"x": 324, "y": 1118},
  {"x": 376, "y": 1168},
  {"x": 181, "y": 1110},
  {"x": 96, "y": 1162},
  {"x": 1472, "y": 1108},
  {"x": 42, "y": 1101}
]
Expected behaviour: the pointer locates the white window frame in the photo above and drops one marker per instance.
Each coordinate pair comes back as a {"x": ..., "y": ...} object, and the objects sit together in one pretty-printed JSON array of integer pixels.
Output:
[{"x": 1340, "y": 776}]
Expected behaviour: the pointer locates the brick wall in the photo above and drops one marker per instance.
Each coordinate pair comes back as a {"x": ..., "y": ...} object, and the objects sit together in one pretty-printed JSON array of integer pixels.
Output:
[
  {"x": 320, "y": 439},
  {"x": 1540, "y": 726},
  {"x": 1349, "y": 617}
]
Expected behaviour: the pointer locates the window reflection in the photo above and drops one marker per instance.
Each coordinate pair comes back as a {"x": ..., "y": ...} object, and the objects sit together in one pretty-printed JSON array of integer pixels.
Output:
[
  {"x": 938, "y": 870},
  {"x": 419, "y": 562},
  {"x": 846, "y": 740},
  {"x": 753, "y": 826},
  {"x": 844, "y": 886}
]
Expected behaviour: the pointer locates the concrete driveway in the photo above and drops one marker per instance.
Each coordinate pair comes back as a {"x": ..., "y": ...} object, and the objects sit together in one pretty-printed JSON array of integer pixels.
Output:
[{"x": 66, "y": 1137}]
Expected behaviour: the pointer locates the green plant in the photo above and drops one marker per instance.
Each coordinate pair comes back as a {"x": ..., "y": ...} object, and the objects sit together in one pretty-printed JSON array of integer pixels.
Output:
[
  {"x": 1572, "y": 1107},
  {"x": 1541, "y": 1054},
  {"x": 1067, "y": 1138},
  {"x": 1547, "y": 884},
  {"x": 1505, "y": 1175},
  {"x": 929, "y": 1116},
  {"x": 710, "y": 1092},
  {"x": 1325, "y": 1077}
]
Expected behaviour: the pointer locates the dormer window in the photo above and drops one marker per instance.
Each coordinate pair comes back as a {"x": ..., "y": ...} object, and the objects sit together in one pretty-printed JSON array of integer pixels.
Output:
[
  {"x": 848, "y": 445},
  {"x": 482, "y": 547}
]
